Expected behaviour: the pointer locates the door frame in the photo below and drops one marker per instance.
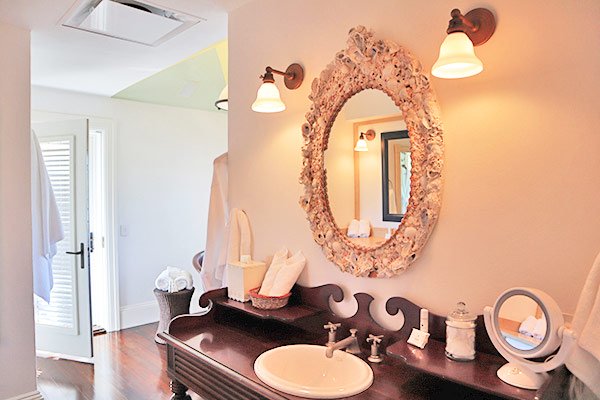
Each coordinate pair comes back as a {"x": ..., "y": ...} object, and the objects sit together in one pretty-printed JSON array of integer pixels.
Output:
[{"x": 113, "y": 305}]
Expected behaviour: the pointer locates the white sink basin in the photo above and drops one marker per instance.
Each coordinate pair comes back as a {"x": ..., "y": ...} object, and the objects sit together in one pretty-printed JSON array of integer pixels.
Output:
[{"x": 303, "y": 370}]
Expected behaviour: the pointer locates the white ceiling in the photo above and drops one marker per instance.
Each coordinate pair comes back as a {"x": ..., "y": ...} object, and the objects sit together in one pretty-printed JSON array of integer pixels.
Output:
[{"x": 75, "y": 60}]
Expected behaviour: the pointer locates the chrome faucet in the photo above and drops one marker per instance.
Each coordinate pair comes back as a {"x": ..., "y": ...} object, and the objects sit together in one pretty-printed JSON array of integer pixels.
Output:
[{"x": 350, "y": 344}]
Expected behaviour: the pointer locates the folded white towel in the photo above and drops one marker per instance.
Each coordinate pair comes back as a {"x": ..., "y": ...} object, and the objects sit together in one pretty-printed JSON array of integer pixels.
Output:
[
  {"x": 364, "y": 228},
  {"x": 288, "y": 275},
  {"x": 528, "y": 325},
  {"x": 173, "y": 279},
  {"x": 353, "y": 228},
  {"x": 540, "y": 329},
  {"x": 276, "y": 264}
]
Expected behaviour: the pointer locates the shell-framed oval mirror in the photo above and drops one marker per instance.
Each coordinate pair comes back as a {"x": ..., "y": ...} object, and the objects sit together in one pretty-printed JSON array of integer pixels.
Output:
[{"x": 369, "y": 64}]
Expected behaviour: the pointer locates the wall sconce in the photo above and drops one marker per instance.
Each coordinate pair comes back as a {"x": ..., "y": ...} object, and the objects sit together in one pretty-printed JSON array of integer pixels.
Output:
[
  {"x": 457, "y": 58},
  {"x": 268, "y": 99},
  {"x": 361, "y": 143},
  {"x": 222, "y": 102}
]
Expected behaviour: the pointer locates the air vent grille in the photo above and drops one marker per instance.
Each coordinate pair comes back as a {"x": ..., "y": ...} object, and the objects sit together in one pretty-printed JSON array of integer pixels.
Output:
[{"x": 130, "y": 20}]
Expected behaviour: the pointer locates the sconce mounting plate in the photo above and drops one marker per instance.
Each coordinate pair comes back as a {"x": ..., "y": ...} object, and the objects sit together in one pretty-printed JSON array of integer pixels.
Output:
[
  {"x": 486, "y": 23},
  {"x": 294, "y": 75},
  {"x": 370, "y": 134}
]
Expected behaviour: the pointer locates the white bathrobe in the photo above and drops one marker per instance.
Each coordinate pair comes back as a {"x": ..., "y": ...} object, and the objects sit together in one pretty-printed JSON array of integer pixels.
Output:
[
  {"x": 47, "y": 229},
  {"x": 584, "y": 361},
  {"x": 218, "y": 215}
]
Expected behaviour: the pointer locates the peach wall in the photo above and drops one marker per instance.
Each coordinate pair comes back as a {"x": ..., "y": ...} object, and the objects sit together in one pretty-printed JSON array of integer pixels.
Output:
[
  {"x": 17, "y": 353},
  {"x": 522, "y": 169}
]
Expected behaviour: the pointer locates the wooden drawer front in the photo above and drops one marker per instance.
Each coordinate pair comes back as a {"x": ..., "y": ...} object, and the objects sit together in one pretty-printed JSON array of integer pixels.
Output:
[{"x": 211, "y": 382}]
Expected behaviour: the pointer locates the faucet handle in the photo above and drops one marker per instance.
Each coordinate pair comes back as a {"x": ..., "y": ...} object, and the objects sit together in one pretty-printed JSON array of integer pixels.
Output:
[
  {"x": 353, "y": 332},
  {"x": 374, "y": 339},
  {"x": 331, "y": 326}
]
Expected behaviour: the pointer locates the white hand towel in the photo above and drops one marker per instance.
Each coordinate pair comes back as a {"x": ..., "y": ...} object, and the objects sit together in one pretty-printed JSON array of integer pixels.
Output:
[
  {"x": 540, "y": 329},
  {"x": 288, "y": 275},
  {"x": 364, "y": 228},
  {"x": 174, "y": 279},
  {"x": 163, "y": 281},
  {"x": 183, "y": 281},
  {"x": 528, "y": 325},
  {"x": 276, "y": 264},
  {"x": 584, "y": 361},
  {"x": 353, "y": 228}
]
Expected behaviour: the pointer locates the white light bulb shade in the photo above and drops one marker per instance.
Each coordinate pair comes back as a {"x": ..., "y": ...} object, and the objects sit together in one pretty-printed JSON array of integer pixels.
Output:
[
  {"x": 361, "y": 145},
  {"x": 457, "y": 58},
  {"x": 222, "y": 102},
  {"x": 268, "y": 99}
]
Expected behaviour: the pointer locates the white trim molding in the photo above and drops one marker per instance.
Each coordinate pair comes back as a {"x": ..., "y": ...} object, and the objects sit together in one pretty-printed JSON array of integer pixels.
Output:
[
  {"x": 139, "y": 314},
  {"x": 35, "y": 395}
]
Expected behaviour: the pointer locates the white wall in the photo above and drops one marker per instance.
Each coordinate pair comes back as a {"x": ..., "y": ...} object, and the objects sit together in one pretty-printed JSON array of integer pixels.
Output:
[
  {"x": 505, "y": 219},
  {"x": 163, "y": 173},
  {"x": 17, "y": 368}
]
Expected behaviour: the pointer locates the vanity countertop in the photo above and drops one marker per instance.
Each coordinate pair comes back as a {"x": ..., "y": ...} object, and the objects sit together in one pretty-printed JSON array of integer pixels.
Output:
[{"x": 229, "y": 340}]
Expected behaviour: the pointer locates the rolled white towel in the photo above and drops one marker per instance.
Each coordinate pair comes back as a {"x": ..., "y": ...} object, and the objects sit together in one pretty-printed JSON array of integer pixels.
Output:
[
  {"x": 540, "y": 329},
  {"x": 276, "y": 264},
  {"x": 183, "y": 281},
  {"x": 364, "y": 228},
  {"x": 163, "y": 281},
  {"x": 174, "y": 279},
  {"x": 353, "y": 228},
  {"x": 288, "y": 275},
  {"x": 528, "y": 325}
]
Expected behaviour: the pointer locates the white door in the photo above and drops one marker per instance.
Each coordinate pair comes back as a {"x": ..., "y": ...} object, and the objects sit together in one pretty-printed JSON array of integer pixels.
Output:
[{"x": 64, "y": 325}]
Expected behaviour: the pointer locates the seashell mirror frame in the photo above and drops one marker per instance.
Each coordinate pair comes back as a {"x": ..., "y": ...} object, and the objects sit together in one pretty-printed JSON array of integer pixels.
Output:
[{"x": 371, "y": 63}]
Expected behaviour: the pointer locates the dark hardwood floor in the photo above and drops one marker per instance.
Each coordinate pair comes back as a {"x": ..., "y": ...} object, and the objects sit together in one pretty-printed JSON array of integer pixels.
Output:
[{"x": 129, "y": 365}]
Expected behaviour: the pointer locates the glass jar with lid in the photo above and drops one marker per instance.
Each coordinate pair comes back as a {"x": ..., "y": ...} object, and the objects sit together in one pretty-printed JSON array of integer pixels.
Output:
[{"x": 460, "y": 334}]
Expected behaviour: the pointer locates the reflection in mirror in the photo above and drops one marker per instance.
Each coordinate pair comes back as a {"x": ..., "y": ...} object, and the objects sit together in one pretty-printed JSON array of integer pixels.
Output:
[
  {"x": 395, "y": 168},
  {"x": 354, "y": 178},
  {"x": 522, "y": 322}
]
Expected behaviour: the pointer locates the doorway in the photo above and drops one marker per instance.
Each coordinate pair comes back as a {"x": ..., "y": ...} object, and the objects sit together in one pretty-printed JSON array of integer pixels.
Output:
[{"x": 76, "y": 154}]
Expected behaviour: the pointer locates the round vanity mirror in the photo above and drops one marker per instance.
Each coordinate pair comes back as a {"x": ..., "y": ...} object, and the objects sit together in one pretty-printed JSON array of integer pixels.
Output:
[
  {"x": 525, "y": 324},
  {"x": 368, "y": 167},
  {"x": 522, "y": 322}
]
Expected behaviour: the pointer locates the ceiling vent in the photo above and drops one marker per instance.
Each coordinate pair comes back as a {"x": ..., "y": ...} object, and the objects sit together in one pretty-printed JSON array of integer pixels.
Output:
[{"x": 130, "y": 20}]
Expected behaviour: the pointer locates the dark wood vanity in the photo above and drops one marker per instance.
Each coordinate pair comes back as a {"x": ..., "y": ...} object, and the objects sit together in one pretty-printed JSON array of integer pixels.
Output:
[{"x": 213, "y": 353}]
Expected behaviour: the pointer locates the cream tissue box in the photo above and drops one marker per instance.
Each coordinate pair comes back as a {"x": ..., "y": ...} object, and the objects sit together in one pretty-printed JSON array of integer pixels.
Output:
[{"x": 243, "y": 276}]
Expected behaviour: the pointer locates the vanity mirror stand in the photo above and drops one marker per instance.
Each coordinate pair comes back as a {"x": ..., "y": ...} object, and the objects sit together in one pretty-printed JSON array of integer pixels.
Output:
[
  {"x": 213, "y": 353},
  {"x": 526, "y": 324}
]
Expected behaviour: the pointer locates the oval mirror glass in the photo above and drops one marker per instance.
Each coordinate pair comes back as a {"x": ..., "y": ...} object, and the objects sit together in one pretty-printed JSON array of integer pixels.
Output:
[
  {"x": 368, "y": 168},
  {"x": 522, "y": 322}
]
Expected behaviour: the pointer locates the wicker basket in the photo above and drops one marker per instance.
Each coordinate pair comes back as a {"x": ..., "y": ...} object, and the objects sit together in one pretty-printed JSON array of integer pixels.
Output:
[{"x": 268, "y": 302}]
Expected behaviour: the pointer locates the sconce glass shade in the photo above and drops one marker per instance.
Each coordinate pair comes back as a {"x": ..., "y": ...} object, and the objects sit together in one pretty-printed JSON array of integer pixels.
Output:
[
  {"x": 361, "y": 144},
  {"x": 222, "y": 102},
  {"x": 268, "y": 99},
  {"x": 457, "y": 58}
]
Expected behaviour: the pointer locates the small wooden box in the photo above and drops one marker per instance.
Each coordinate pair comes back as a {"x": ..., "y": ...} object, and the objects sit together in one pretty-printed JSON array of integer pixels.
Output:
[{"x": 242, "y": 277}]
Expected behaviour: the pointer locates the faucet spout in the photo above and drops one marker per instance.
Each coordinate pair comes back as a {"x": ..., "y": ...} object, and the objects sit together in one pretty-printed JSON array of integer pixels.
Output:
[{"x": 350, "y": 344}]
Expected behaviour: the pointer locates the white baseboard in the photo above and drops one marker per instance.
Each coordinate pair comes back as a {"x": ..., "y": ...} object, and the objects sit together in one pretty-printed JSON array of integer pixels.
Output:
[
  {"x": 139, "y": 314},
  {"x": 28, "y": 396}
]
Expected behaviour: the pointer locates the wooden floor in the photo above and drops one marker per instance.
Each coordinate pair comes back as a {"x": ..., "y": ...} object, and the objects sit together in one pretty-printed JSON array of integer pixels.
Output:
[{"x": 129, "y": 365}]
